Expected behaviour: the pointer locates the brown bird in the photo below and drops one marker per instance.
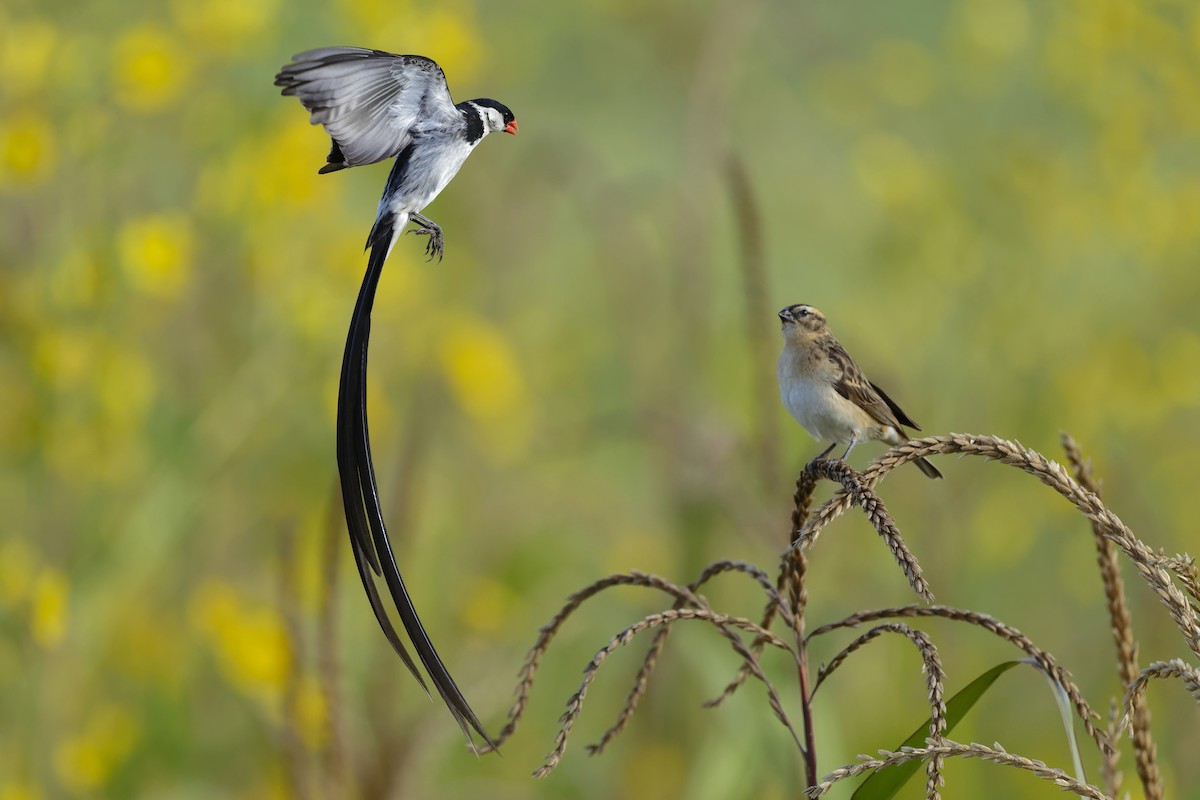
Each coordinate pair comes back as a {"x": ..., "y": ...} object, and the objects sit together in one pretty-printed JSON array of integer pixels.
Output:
[{"x": 828, "y": 394}]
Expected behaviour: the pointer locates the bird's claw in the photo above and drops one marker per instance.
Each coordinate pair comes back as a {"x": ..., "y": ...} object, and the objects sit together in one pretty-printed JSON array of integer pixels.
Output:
[{"x": 436, "y": 244}]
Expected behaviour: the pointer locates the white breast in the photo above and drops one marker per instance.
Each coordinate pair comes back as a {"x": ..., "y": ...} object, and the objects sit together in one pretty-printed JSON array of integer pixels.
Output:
[
  {"x": 431, "y": 168},
  {"x": 816, "y": 409},
  {"x": 820, "y": 410}
]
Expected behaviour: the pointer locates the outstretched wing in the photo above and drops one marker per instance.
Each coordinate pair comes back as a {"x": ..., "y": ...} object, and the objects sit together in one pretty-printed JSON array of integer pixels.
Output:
[
  {"x": 854, "y": 386},
  {"x": 368, "y": 100}
]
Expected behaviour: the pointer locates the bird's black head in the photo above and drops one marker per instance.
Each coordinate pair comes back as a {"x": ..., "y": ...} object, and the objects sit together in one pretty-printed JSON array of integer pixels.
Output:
[{"x": 495, "y": 116}]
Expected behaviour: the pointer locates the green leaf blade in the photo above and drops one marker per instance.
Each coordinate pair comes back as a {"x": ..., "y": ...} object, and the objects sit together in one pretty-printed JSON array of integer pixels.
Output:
[{"x": 885, "y": 783}]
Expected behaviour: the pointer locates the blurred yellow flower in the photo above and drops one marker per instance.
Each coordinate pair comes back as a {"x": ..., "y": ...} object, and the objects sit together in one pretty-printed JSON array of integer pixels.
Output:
[
  {"x": 1105, "y": 25},
  {"x": 486, "y": 382},
  {"x": 489, "y": 605},
  {"x": 26, "y": 47},
  {"x": 224, "y": 25},
  {"x": 249, "y": 639},
  {"x": 1122, "y": 372},
  {"x": 369, "y": 12},
  {"x": 16, "y": 567},
  {"x": 246, "y": 180},
  {"x": 75, "y": 280},
  {"x": 454, "y": 36},
  {"x": 86, "y": 761},
  {"x": 312, "y": 310},
  {"x": 28, "y": 153},
  {"x": 19, "y": 790},
  {"x": 482, "y": 369},
  {"x": 149, "y": 69},
  {"x": 79, "y": 766},
  {"x": 283, "y": 167},
  {"x": 48, "y": 612},
  {"x": 448, "y": 33},
  {"x": 125, "y": 388},
  {"x": 64, "y": 357},
  {"x": 156, "y": 254}
]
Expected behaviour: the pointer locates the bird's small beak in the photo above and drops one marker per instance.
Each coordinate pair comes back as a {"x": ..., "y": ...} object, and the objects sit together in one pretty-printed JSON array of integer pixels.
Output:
[
  {"x": 786, "y": 315},
  {"x": 511, "y": 128}
]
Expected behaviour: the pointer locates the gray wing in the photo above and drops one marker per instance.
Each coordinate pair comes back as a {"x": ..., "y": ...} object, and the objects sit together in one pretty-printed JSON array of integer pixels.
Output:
[
  {"x": 368, "y": 100},
  {"x": 855, "y": 387}
]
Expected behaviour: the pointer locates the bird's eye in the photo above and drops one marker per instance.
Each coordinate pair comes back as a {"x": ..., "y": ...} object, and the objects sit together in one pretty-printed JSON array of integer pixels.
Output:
[{"x": 803, "y": 312}]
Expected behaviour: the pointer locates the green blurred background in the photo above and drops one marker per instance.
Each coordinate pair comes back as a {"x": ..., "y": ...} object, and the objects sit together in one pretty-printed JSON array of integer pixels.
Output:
[{"x": 996, "y": 203}]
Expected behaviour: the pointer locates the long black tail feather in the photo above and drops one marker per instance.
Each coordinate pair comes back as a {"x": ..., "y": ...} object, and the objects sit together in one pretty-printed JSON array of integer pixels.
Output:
[
  {"x": 356, "y": 519},
  {"x": 381, "y": 615},
  {"x": 360, "y": 495}
]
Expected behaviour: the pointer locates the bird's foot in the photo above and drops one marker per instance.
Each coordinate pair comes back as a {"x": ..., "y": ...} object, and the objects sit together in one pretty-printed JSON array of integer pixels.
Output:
[{"x": 436, "y": 244}]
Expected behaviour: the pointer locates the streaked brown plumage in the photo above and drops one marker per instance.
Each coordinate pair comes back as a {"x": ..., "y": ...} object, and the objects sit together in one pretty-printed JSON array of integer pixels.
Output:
[{"x": 826, "y": 392}]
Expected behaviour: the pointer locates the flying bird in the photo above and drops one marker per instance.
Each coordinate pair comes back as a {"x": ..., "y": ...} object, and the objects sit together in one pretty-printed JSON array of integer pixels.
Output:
[
  {"x": 374, "y": 106},
  {"x": 826, "y": 392}
]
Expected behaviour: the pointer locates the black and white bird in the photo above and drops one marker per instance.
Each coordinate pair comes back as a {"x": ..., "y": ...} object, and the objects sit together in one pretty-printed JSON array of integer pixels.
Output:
[
  {"x": 374, "y": 106},
  {"x": 826, "y": 392}
]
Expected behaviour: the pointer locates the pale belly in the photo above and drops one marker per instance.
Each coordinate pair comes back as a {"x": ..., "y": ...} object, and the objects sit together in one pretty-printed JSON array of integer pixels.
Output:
[
  {"x": 828, "y": 416},
  {"x": 427, "y": 176}
]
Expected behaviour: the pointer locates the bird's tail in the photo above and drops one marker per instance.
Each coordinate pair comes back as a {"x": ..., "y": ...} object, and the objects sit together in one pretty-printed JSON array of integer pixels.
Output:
[
  {"x": 373, "y": 548},
  {"x": 929, "y": 469},
  {"x": 384, "y": 232},
  {"x": 922, "y": 464}
]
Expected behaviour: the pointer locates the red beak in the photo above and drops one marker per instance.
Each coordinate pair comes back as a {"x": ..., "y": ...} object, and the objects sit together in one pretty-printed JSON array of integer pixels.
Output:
[{"x": 511, "y": 128}]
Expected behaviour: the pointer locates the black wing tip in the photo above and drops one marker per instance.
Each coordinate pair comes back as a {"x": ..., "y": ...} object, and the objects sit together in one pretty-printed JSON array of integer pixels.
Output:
[
  {"x": 901, "y": 417},
  {"x": 335, "y": 160}
]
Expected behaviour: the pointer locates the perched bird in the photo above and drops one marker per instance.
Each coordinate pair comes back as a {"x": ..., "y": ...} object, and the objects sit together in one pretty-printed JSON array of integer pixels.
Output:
[
  {"x": 374, "y": 106},
  {"x": 828, "y": 394}
]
